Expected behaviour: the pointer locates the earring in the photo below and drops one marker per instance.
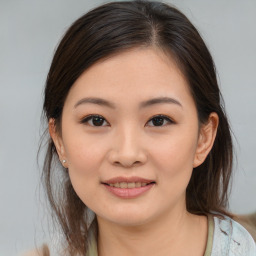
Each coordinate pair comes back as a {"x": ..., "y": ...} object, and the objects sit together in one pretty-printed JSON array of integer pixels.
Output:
[{"x": 64, "y": 161}]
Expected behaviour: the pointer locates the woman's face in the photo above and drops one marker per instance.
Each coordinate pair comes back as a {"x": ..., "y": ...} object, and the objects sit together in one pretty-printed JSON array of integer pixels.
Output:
[{"x": 130, "y": 136}]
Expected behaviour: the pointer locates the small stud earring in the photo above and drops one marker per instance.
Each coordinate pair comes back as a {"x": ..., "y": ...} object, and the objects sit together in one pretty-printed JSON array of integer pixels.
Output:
[{"x": 64, "y": 161}]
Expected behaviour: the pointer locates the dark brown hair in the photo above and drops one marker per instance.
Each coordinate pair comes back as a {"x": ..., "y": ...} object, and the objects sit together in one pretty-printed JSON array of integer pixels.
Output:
[{"x": 109, "y": 30}]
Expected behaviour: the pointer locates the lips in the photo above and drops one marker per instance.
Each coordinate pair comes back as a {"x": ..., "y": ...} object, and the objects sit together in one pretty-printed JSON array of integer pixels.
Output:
[
  {"x": 128, "y": 187},
  {"x": 128, "y": 182}
]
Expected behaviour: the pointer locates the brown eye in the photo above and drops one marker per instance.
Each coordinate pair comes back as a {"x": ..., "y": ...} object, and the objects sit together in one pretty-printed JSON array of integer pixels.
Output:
[
  {"x": 94, "y": 120},
  {"x": 160, "y": 120}
]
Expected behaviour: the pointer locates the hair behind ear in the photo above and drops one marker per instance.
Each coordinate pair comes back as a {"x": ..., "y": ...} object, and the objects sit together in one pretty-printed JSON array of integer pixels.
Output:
[{"x": 209, "y": 185}]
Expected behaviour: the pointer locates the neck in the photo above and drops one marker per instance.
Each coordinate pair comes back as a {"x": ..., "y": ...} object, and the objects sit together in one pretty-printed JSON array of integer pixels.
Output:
[{"x": 166, "y": 236}]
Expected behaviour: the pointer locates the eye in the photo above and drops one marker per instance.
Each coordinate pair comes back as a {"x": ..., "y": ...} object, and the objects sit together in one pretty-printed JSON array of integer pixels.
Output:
[
  {"x": 161, "y": 120},
  {"x": 94, "y": 120}
]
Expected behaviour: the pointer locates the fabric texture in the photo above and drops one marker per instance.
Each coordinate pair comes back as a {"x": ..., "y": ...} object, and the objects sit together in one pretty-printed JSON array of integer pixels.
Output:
[{"x": 231, "y": 239}]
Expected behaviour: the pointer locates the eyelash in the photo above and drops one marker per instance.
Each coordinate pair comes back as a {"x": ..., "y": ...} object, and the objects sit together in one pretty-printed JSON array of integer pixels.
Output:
[{"x": 90, "y": 117}]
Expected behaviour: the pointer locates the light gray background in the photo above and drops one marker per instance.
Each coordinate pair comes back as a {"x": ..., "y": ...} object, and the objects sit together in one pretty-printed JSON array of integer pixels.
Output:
[{"x": 29, "y": 32}]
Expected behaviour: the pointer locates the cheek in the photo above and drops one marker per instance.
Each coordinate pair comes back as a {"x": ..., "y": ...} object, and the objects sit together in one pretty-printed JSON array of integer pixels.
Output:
[
  {"x": 81, "y": 158},
  {"x": 174, "y": 158},
  {"x": 84, "y": 166},
  {"x": 84, "y": 156},
  {"x": 84, "y": 152},
  {"x": 177, "y": 149}
]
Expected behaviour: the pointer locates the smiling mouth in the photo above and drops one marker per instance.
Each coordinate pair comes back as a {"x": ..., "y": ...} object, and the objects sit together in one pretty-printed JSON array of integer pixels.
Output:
[{"x": 129, "y": 184}]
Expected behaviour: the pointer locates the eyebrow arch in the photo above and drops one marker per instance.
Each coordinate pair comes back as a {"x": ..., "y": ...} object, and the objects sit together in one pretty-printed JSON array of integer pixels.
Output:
[
  {"x": 159, "y": 100},
  {"x": 97, "y": 101},
  {"x": 147, "y": 103}
]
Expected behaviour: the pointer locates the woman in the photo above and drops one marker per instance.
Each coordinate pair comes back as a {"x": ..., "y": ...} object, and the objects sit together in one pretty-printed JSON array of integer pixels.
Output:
[{"x": 136, "y": 119}]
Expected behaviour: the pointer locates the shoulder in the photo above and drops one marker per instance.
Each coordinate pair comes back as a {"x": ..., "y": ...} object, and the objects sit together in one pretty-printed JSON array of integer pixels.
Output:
[
  {"x": 231, "y": 238},
  {"x": 42, "y": 251},
  {"x": 249, "y": 222}
]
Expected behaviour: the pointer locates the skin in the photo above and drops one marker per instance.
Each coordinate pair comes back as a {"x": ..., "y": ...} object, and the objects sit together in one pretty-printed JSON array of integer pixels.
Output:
[{"x": 130, "y": 144}]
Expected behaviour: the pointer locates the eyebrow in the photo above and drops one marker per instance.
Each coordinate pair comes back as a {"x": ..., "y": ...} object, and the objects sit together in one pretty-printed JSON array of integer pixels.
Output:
[{"x": 147, "y": 103}]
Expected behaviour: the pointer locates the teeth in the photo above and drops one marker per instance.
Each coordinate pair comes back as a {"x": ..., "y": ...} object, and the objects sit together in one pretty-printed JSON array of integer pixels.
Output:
[
  {"x": 137, "y": 184},
  {"x": 128, "y": 185},
  {"x": 123, "y": 185},
  {"x": 131, "y": 185}
]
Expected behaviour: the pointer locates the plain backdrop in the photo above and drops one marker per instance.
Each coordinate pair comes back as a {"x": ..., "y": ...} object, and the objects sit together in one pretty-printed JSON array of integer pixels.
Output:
[{"x": 29, "y": 33}]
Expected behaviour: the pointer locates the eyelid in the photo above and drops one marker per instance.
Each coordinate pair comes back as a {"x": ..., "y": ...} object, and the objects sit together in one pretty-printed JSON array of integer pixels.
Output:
[
  {"x": 86, "y": 119},
  {"x": 167, "y": 118}
]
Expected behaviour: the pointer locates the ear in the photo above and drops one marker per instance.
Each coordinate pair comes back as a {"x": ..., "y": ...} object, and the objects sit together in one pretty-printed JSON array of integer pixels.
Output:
[
  {"x": 57, "y": 140},
  {"x": 206, "y": 139}
]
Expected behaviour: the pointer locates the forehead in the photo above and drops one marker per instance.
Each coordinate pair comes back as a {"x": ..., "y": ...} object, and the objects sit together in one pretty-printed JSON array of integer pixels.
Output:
[{"x": 132, "y": 75}]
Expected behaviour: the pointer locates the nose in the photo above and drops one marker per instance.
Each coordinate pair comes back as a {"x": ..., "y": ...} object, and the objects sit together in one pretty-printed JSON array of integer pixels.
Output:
[{"x": 127, "y": 149}]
